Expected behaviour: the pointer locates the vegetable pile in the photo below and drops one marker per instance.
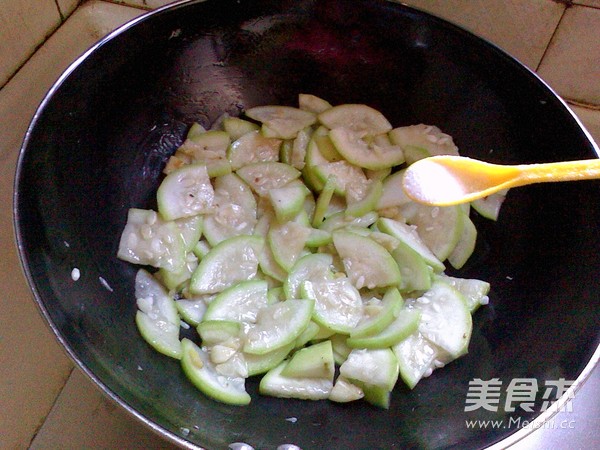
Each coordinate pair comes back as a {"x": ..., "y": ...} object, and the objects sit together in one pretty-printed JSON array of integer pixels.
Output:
[{"x": 284, "y": 238}]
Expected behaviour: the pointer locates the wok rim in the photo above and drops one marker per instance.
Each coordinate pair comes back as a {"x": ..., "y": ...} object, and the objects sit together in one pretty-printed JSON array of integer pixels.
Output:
[{"x": 509, "y": 440}]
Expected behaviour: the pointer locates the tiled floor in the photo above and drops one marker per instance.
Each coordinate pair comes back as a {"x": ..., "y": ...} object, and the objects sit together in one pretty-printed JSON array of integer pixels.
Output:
[{"x": 45, "y": 403}]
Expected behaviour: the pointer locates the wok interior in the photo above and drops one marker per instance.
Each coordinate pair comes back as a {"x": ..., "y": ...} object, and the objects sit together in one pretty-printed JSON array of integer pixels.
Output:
[{"x": 101, "y": 140}]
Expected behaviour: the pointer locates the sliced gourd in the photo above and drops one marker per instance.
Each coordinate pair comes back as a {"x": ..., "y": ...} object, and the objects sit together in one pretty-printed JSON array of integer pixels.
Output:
[
  {"x": 259, "y": 364},
  {"x": 344, "y": 391},
  {"x": 489, "y": 207},
  {"x": 157, "y": 319},
  {"x": 228, "y": 263},
  {"x": 338, "y": 304},
  {"x": 234, "y": 212},
  {"x": 340, "y": 349},
  {"x": 323, "y": 201},
  {"x": 466, "y": 244},
  {"x": 173, "y": 279},
  {"x": 269, "y": 265},
  {"x": 201, "y": 249},
  {"x": 264, "y": 176},
  {"x": 312, "y": 103},
  {"x": 314, "y": 361},
  {"x": 474, "y": 291},
  {"x": 299, "y": 147},
  {"x": 236, "y": 127},
  {"x": 376, "y": 367},
  {"x": 375, "y": 395},
  {"x": 326, "y": 147},
  {"x": 342, "y": 220},
  {"x": 276, "y": 385},
  {"x": 367, "y": 263},
  {"x": 356, "y": 117},
  {"x": 348, "y": 177},
  {"x": 282, "y": 122},
  {"x": 417, "y": 358},
  {"x": 403, "y": 326},
  {"x": 416, "y": 274},
  {"x": 380, "y": 316},
  {"x": 214, "y": 332},
  {"x": 205, "y": 147},
  {"x": 426, "y": 140},
  {"x": 367, "y": 203},
  {"x": 368, "y": 155},
  {"x": 240, "y": 302},
  {"x": 191, "y": 230},
  {"x": 309, "y": 334},
  {"x": 195, "y": 131},
  {"x": 201, "y": 372},
  {"x": 253, "y": 147},
  {"x": 192, "y": 310},
  {"x": 278, "y": 325},
  {"x": 147, "y": 239},
  {"x": 410, "y": 237},
  {"x": 445, "y": 318},
  {"x": 440, "y": 228},
  {"x": 392, "y": 193},
  {"x": 287, "y": 242},
  {"x": 288, "y": 200},
  {"x": 185, "y": 192},
  {"x": 312, "y": 267}
]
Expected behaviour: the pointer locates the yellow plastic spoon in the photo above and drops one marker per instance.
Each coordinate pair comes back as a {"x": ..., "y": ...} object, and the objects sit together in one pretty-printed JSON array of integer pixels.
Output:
[{"x": 450, "y": 180}]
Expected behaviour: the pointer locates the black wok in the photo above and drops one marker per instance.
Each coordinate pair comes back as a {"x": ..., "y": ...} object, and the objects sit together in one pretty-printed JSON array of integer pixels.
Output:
[{"x": 98, "y": 143}]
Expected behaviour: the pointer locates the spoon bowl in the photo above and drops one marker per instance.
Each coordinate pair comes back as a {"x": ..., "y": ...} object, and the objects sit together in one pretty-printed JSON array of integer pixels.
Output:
[{"x": 447, "y": 180}]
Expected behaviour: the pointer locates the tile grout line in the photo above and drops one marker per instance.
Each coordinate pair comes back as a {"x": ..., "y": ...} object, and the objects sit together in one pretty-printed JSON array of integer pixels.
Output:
[
  {"x": 52, "y": 31},
  {"x": 40, "y": 44},
  {"x": 121, "y": 3},
  {"x": 43, "y": 422},
  {"x": 62, "y": 17},
  {"x": 539, "y": 64}
]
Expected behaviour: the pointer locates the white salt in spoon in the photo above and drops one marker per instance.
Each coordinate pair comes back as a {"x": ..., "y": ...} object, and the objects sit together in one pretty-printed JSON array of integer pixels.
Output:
[{"x": 450, "y": 180}]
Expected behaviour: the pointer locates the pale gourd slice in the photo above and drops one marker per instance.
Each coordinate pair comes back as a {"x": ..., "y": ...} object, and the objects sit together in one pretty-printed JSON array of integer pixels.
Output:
[
  {"x": 311, "y": 267},
  {"x": 406, "y": 323},
  {"x": 356, "y": 117},
  {"x": 157, "y": 319},
  {"x": 445, "y": 318},
  {"x": 287, "y": 242},
  {"x": 338, "y": 304},
  {"x": 408, "y": 234},
  {"x": 185, "y": 192},
  {"x": 312, "y": 103},
  {"x": 253, "y": 147},
  {"x": 277, "y": 385},
  {"x": 417, "y": 358},
  {"x": 466, "y": 244},
  {"x": 234, "y": 212},
  {"x": 230, "y": 262},
  {"x": 489, "y": 207},
  {"x": 366, "y": 263},
  {"x": 384, "y": 315},
  {"x": 428, "y": 140},
  {"x": 240, "y": 302},
  {"x": 368, "y": 155},
  {"x": 282, "y": 122},
  {"x": 202, "y": 373},
  {"x": 375, "y": 367},
  {"x": 264, "y": 176},
  {"x": 278, "y": 325},
  {"x": 147, "y": 239},
  {"x": 474, "y": 291},
  {"x": 314, "y": 361},
  {"x": 440, "y": 227}
]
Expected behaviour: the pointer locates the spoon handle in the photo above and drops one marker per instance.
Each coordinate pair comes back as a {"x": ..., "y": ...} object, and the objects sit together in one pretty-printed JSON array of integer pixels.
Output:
[{"x": 586, "y": 169}]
